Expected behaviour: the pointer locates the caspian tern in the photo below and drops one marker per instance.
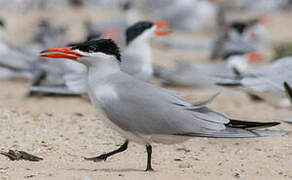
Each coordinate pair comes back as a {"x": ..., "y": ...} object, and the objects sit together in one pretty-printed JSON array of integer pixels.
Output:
[
  {"x": 145, "y": 113},
  {"x": 137, "y": 61}
]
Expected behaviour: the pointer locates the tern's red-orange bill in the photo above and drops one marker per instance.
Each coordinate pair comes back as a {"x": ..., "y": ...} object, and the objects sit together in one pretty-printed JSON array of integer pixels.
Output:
[{"x": 61, "y": 52}]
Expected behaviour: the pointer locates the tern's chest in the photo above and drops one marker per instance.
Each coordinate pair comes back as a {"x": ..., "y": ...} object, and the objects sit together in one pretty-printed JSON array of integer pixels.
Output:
[{"x": 103, "y": 93}]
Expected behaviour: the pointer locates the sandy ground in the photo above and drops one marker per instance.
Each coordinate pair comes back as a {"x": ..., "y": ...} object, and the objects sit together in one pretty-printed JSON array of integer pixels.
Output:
[{"x": 63, "y": 130}]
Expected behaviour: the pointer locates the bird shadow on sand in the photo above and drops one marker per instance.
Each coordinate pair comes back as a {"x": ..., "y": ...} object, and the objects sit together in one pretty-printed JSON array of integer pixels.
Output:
[{"x": 107, "y": 170}]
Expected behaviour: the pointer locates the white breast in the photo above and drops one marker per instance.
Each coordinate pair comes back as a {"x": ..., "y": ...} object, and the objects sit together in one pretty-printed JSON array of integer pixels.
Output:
[
  {"x": 105, "y": 92},
  {"x": 98, "y": 96}
]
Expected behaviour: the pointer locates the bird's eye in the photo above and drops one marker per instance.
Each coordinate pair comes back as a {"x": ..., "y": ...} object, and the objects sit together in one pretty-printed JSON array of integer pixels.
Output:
[{"x": 92, "y": 48}]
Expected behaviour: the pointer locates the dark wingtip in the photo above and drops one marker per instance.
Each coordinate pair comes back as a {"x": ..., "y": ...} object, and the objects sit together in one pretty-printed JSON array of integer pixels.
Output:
[
  {"x": 287, "y": 88},
  {"x": 228, "y": 84},
  {"x": 288, "y": 91},
  {"x": 250, "y": 125}
]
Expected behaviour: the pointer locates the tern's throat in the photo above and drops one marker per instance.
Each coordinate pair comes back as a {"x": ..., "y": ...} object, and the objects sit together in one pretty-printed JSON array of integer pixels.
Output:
[
  {"x": 140, "y": 50},
  {"x": 101, "y": 69},
  {"x": 100, "y": 86}
]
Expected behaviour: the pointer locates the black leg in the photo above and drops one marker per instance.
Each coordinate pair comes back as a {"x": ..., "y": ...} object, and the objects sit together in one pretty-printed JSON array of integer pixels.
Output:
[
  {"x": 149, "y": 152},
  {"x": 106, "y": 155}
]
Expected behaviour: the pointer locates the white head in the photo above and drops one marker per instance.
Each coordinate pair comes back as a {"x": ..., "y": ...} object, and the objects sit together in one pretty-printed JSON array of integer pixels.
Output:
[{"x": 240, "y": 61}]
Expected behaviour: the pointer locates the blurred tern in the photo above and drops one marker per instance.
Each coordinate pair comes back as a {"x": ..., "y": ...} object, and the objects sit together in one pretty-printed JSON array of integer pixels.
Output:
[
  {"x": 145, "y": 113},
  {"x": 247, "y": 36},
  {"x": 205, "y": 75},
  {"x": 115, "y": 27},
  {"x": 189, "y": 15},
  {"x": 266, "y": 82},
  {"x": 46, "y": 36},
  {"x": 137, "y": 60},
  {"x": 13, "y": 61}
]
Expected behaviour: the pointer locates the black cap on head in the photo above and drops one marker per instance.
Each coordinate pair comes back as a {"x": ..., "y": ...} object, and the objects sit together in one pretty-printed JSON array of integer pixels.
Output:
[
  {"x": 242, "y": 26},
  {"x": 232, "y": 53},
  {"x": 239, "y": 26},
  {"x": 106, "y": 46},
  {"x": 135, "y": 30}
]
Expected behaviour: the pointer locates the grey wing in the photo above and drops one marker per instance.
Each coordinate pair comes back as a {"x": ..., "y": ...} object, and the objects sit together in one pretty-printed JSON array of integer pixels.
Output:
[
  {"x": 16, "y": 60},
  {"x": 146, "y": 109},
  {"x": 190, "y": 75},
  {"x": 268, "y": 78}
]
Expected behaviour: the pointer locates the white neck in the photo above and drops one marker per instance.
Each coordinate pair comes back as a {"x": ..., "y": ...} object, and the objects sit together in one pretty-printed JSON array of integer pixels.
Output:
[
  {"x": 100, "y": 69},
  {"x": 99, "y": 85},
  {"x": 140, "y": 42},
  {"x": 139, "y": 50}
]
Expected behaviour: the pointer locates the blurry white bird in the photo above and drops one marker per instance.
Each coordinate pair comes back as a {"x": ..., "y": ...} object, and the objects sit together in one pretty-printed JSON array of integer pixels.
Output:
[
  {"x": 244, "y": 37},
  {"x": 263, "y": 5},
  {"x": 205, "y": 75},
  {"x": 117, "y": 27},
  {"x": 266, "y": 82},
  {"x": 145, "y": 113},
  {"x": 46, "y": 36},
  {"x": 137, "y": 61},
  {"x": 190, "y": 15}
]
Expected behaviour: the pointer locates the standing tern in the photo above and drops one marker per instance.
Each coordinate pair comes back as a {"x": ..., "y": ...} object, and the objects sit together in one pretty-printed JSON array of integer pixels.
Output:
[
  {"x": 145, "y": 113},
  {"x": 137, "y": 61},
  {"x": 266, "y": 82}
]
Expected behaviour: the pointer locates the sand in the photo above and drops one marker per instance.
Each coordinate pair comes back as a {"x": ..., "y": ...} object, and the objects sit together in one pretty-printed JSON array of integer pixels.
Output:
[{"x": 62, "y": 130}]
